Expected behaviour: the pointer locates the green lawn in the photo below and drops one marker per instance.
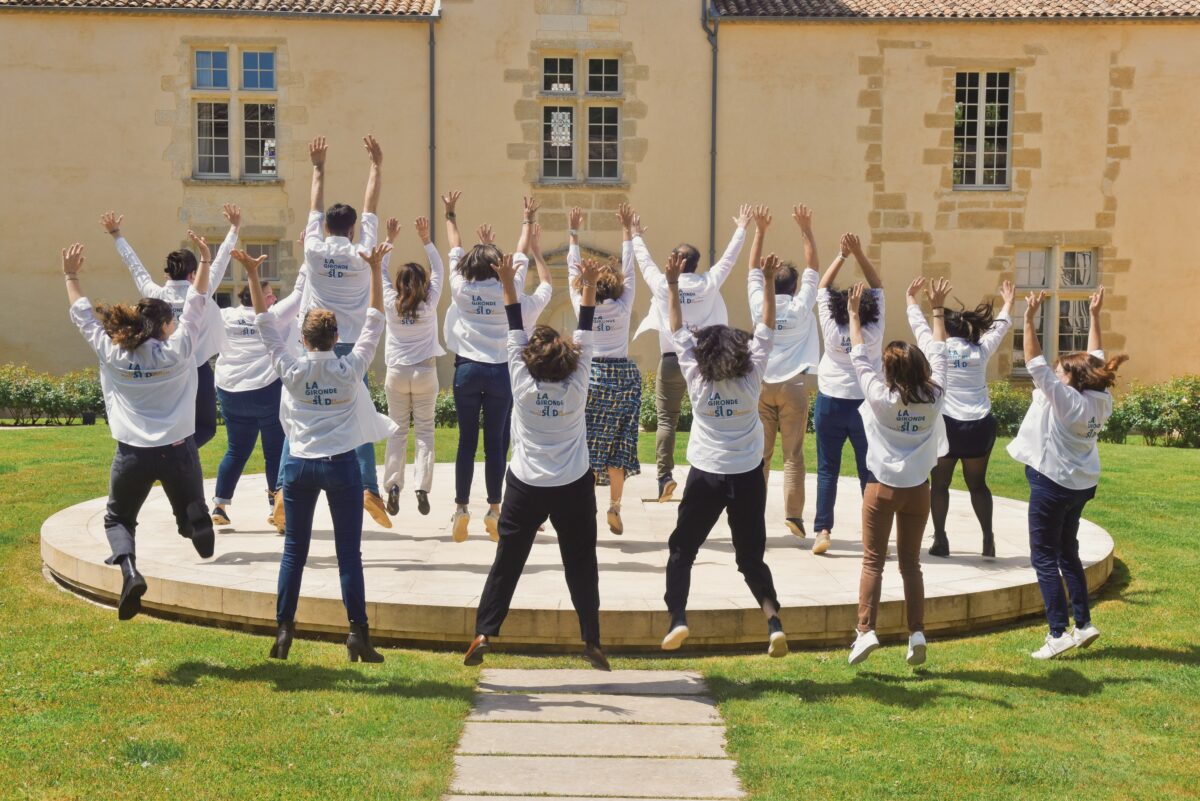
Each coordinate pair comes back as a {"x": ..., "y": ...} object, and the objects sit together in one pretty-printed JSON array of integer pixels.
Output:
[{"x": 90, "y": 709}]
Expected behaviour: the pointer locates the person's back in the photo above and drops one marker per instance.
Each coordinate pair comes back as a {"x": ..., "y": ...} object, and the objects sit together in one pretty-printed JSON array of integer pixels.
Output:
[{"x": 339, "y": 279}]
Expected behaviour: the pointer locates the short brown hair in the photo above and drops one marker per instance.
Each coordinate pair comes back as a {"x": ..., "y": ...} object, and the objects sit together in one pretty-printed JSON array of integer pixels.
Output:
[
  {"x": 1085, "y": 371},
  {"x": 907, "y": 371},
  {"x": 723, "y": 352},
  {"x": 320, "y": 329},
  {"x": 479, "y": 263},
  {"x": 549, "y": 356},
  {"x": 610, "y": 284}
]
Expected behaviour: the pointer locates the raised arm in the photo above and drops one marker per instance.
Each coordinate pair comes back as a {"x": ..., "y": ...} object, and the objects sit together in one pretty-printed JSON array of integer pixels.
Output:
[
  {"x": 625, "y": 214},
  {"x": 853, "y": 300},
  {"x": 204, "y": 270},
  {"x": 529, "y": 208},
  {"x": 374, "y": 176},
  {"x": 1033, "y": 348},
  {"x": 938, "y": 290},
  {"x": 1095, "y": 303},
  {"x": 762, "y": 219},
  {"x": 220, "y": 264},
  {"x": 393, "y": 231},
  {"x": 720, "y": 271},
  {"x": 449, "y": 202},
  {"x": 574, "y": 263},
  {"x": 72, "y": 263},
  {"x": 802, "y": 214},
  {"x": 535, "y": 247},
  {"x": 316, "y": 153},
  {"x": 507, "y": 274},
  {"x": 375, "y": 259},
  {"x": 674, "y": 309},
  {"x": 831, "y": 273},
  {"x": 990, "y": 340},
  {"x": 769, "y": 268},
  {"x": 916, "y": 317},
  {"x": 868, "y": 269},
  {"x": 141, "y": 278},
  {"x": 437, "y": 269},
  {"x": 251, "y": 265}
]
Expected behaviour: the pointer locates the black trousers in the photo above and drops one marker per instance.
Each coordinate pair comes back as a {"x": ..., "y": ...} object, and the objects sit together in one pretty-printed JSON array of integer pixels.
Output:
[
  {"x": 743, "y": 496},
  {"x": 206, "y": 405},
  {"x": 572, "y": 511},
  {"x": 134, "y": 471}
]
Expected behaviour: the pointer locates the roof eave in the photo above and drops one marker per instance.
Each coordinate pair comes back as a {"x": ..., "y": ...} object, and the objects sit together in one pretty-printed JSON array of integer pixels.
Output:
[
  {"x": 223, "y": 12},
  {"x": 735, "y": 18}
]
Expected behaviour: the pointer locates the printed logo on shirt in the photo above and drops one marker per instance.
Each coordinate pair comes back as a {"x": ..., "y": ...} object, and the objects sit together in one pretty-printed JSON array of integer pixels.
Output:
[
  {"x": 1093, "y": 429},
  {"x": 724, "y": 407},
  {"x": 321, "y": 396},
  {"x": 334, "y": 269},
  {"x": 910, "y": 423},
  {"x": 177, "y": 309},
  {"x": 481, "y": 305},
  {"x": 959, "y": 359},
  {"x": 688, "y": 297},
  {"x": 135, "y": 371},
  {"x": 550, "y": 407},
  {"x": 846, "y": 346},
  {"x": 602, "y": 324}
]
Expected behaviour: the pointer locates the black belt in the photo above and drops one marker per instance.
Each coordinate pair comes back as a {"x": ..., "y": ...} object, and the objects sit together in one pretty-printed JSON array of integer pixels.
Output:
[{"x": 609, "y": 359}]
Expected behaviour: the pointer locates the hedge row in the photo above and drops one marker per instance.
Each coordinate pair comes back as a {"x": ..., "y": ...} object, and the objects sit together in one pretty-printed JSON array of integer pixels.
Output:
[{"x": 28, "y": 397}]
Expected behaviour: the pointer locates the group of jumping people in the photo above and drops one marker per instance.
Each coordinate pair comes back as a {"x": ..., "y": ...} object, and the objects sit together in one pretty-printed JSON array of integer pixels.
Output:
[{"x": 293, "y": 372}]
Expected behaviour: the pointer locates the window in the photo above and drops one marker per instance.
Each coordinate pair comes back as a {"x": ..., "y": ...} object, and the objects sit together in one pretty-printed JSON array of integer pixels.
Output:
[
  {"x": 603, "y": 77},
  {"x": 258, "y": 122},
  {"x": 269, "y": 269},
  {"x": 258, "y": 69},
  {"x": 212, "y": 69},
  {"x": 558, "y": 142},
  {"x": 212, "y": 138},
  {"x": 603, "y": 142},
  {"x": 558, "y": 75},
  {"x": 1068, "y": 275},
  {"x": 982, "y": 113}
]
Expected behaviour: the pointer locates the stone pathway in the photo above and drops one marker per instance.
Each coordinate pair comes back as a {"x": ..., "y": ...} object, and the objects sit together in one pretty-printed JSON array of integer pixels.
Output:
[{"x": 580, "y": 735}]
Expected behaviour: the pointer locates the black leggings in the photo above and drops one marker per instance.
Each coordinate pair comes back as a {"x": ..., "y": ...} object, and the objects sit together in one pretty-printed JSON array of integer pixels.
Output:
[{"x": 975, "y": 474}]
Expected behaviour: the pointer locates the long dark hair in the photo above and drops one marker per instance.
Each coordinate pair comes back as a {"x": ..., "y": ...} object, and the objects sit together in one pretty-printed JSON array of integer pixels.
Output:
[
  {"x": 970, "y": 325},
  {"x": 549, "y": 356},
  {"x": 130, "y": 326},
  {"x": 907, "y": 371},
  {"x": 868, "y": 307},
  {"x": 412, "y": 289},
  {"x": 479, "y": 263},
  {"x": 723, "y": 352}
]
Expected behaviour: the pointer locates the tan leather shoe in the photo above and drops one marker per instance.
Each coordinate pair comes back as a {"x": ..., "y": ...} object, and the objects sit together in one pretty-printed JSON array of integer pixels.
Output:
[
  {"x": 278, "y": 517},
  {"x": 375, "y": 508},
  {"x": 479, "y": 647}
]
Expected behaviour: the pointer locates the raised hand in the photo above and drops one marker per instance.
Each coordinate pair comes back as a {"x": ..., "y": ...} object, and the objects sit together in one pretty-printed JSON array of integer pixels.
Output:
[
  {"x": 201, "y": 245},
  {"x": 1033, "y": 302},
  {"x": 72, "y": 260},
  {"x": 575, "y": 218},
  {"x": 854, "y": 298},
  {"x": 914, "y": 289},
  {"x": 674, "y": 267},
  {"x": 850, "y": 244},
  {"x": 626, "y": 215},
  {"x": 375, "y": 257},
  {"x": 249, "y": 263},
  {"x": 636, "y": 226},
  {"x": 762, "y": 217},
  {"x": 233, "y": 214},
  {"x": 590, "y": 271},
  {"x": 421, "y": 224},
  {"x": 770, "y": 266},
  {"x": 317, "y": 150},
  {"x": 450, "y": 200},
  {"x": 530, "y": 208},
  {"x": 374, "y": 151},
  {"x": 393, "y": 230},
  {"x": 1096, "y": 301},
  {"x": 486, "y": 235},
  {"x": 111, "y": 222},
  {"x": 745, "y": 212},
  {"x": 1008, "y": 292},
  {"x": 504, "y": 269},
  {"x": 802, "y": 214},
  {"x": 844, "y": 245},
  {"x": 938, "y": 290}
]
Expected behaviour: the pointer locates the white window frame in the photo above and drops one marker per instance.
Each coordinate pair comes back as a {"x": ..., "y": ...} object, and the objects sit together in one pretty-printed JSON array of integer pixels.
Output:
[
  {"x": 229, "y": 137},
  {"x": 236, "y": 98},
  {"x": 242, "y": 53},
  {"x": 1057, "y": 293},
  {"x": 581, "y": 101},
  {"x": 980, "y": 153}
]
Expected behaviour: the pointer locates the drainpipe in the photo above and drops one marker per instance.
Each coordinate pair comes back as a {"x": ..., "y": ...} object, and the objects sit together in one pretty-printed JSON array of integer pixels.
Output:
[
  {"x": 705, "y": 18},
  {"x": 432, "y": 133}
]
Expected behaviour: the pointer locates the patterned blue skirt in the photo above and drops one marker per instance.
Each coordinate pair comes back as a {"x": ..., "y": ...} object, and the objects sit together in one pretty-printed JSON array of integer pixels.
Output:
[{"x": 614, "y": 404}]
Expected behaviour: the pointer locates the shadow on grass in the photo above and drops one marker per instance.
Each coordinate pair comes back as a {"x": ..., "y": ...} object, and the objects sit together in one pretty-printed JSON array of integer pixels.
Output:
[
  {"x": 1116, "y": 588},
  {"x": 1190, "y": 657},
  {"x": 921, "y": 688},
  {"x": 290, "y": 678}
]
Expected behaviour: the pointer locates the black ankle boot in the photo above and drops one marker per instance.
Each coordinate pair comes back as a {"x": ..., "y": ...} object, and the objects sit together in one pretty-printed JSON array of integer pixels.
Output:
[
  {"x": 941, "y": 545},
  {"x": 283, "y": 640},
  {"x": 133, "y": 587},
  {"x": 358, "y": 644},
  {"x": 989, "y": 544}
]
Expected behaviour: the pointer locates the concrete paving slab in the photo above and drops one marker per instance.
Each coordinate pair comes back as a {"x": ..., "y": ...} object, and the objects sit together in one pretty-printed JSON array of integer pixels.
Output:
[
  {"x": 623, "y": 682},
  {"x": 593, "y": 708},
  {"x": 593, "y": 739},
  {"x": 639, "y": 778}
]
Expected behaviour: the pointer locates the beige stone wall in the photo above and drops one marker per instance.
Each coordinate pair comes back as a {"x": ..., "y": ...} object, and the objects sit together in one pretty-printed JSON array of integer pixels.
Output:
[{"x": 855, "y": 119}]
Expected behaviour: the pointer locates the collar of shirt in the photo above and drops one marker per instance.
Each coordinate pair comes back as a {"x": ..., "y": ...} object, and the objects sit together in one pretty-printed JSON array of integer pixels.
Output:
[
  {"x": 321, "y": 355},
  {"x": 338, "y": 240},
  {"x": 179, "y": 284}
]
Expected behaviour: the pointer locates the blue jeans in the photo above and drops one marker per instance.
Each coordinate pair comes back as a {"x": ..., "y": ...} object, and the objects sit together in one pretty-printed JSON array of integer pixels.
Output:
[
  {"x": 1054, "y": 513},
  {"x": 481, "y": 387},
  {"x": 303, "y": 480},
  {"x": 246, "y": 415},
  {"x": 835, "y": 421},
  {"x": 365, "y": 453}
]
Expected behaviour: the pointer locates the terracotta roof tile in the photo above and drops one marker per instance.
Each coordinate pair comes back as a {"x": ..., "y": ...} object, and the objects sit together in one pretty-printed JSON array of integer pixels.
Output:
[
  {"x": 957, "y": 9},
  {"x": 359, "y": 8}
]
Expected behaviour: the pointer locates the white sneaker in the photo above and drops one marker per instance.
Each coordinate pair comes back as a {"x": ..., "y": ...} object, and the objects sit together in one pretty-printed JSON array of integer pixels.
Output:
[
  {"x": 777, "y": 645},
  {"x": 491, "y": 521},
  {"x": 458, "y": 523},
  {"x": 866, "y": 642},
  {"x": 1054, "y": 646},
  {"x": 916, "y": 649},
  {"x": 675, "y": 638},
  {"x": 1085, "y": 636}
]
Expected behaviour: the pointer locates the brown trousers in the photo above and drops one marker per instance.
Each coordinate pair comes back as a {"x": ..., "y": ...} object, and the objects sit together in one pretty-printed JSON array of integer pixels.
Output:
[
  {"x": 909, "y": 507},
  {"x": 783, "y": 408}
]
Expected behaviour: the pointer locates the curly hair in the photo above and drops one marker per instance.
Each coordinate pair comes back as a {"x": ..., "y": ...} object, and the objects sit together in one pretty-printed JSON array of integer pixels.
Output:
[
  {"x": 970, "y": 325},
  {"x": 180, "y": 264},
  {"x": 609, "y": 285},
  {"x": 723, "y": 352},
  {"x": 868, "y": 309},
  {"x": 549, "y": 356},
  {"x": 319, "y": 329},
  {"x": 1085, "y": 371},
  {"x": 907, "y": 371},
  {"x": 479, "y": 263},
  {"x": 412, "y": 289},
  {"x": 130, "y": 326}
]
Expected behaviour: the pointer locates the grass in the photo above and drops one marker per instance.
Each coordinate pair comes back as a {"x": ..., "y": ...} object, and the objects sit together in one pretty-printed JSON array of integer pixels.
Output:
[{"x": 93, "y": 709}]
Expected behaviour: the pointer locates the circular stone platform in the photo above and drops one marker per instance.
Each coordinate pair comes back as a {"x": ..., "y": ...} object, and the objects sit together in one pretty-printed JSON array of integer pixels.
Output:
[{"x": 422, "y": 587}]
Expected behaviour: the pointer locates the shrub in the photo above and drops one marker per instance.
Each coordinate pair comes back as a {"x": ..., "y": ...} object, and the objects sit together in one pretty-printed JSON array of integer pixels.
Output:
[
  {"x": 649, "y": 412},
  {"x": 1164, "y": 414},
  {"x": 1009, "y": 404}
]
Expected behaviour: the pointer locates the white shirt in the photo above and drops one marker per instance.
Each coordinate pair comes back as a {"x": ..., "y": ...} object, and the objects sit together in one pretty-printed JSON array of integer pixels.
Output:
[
  {"x": 244, "y": 364},
  {"x": 797, "y": 346},
  {"x": 835, "y": 373},
  {"x": 330, "y": 411},
  {"x": 211, "y": 332},
  {"x": 412, "y": 341},
  {"x": 549, "y": 421},
  {"x": 339, "y": 280},
  {"x": 699, "y": 295},
  {"x": 475, "y": 323},
  {"x": 903, "y": 442},
  {"x": 149, "y": 392},
  {"x": 727, "y": 434},
  {"x": 966, "y": 365},
  {"x": 1057, "y": 438},
  {"x": 610, "y": 326}
]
